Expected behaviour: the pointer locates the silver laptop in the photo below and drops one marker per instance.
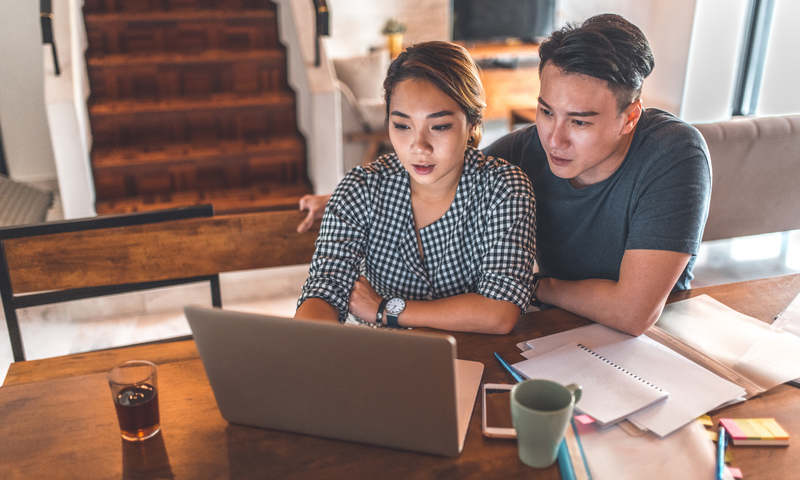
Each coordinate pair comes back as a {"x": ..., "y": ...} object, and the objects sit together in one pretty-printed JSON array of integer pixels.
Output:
[{"x": 400, "y": 389}]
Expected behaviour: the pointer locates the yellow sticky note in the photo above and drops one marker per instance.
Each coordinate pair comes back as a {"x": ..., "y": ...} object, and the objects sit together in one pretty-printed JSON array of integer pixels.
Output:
[
  {"x": 712, "y": 435},
  {"x": 775, "y": 429},
  {"x": 706, "y": 420},
  {"x": 760, "y": 428}
]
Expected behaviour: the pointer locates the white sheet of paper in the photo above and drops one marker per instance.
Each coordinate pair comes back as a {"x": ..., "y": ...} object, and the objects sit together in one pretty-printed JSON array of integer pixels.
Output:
[
  {"x": 614, "y": 455},
  {"x": 789, "y": 319},
  {"x": 693, "y": 390},
  {"x": 743, "y": 344},
  {"x": 609, "y": 393}
]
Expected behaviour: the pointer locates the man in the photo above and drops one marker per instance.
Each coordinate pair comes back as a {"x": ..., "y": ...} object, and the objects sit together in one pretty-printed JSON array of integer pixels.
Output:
[{"x": 622, "y": 192}]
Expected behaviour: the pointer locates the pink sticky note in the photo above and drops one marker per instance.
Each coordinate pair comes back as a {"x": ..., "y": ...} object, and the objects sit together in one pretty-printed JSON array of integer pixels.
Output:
[
  {"x": 735, "y": 472},
  {"x": 584, "y": 419}
]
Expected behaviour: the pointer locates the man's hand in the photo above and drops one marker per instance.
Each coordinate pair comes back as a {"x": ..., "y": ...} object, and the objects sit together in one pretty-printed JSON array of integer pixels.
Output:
[
  {"x": 315, "y": 204},
  {"x": 364, "y": 300}
]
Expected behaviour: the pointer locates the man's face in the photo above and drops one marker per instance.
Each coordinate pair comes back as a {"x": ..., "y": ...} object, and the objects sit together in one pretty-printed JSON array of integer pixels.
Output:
[{"x": 583, "y": 133}]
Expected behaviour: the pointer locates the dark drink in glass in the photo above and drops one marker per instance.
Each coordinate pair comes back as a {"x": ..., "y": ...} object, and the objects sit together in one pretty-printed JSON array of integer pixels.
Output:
[
  {"x": 134, "y": 389},
  {"x": 137, "y": 412}
]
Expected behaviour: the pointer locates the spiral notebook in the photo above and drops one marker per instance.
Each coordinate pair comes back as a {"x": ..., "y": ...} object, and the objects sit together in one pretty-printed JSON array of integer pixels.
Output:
[{"x": 609, "y": 392}]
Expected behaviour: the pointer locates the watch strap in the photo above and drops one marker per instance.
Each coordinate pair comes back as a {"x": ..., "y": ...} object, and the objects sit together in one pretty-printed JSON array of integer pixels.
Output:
[{"x": 381, "y": 310}]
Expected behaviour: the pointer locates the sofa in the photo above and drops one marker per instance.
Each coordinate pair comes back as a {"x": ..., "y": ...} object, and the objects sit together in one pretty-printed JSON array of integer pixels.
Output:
[{"x": 755, "y": 166}]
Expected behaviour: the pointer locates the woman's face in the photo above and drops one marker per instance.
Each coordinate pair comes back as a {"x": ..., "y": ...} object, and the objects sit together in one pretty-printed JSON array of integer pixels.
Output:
[{"x": 429, "y": 132}]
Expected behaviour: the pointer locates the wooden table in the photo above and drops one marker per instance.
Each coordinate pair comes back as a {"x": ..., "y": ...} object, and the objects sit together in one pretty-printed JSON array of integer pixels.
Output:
[{"x": 57, "y": 418}]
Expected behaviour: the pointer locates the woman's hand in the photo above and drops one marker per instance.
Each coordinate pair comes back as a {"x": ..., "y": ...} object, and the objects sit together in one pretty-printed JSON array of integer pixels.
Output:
[{"x": 364, "y": 300}]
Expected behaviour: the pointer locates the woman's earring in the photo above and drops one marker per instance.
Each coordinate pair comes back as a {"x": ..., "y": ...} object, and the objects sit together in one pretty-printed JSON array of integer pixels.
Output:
[{"x": 471, "y": 138}]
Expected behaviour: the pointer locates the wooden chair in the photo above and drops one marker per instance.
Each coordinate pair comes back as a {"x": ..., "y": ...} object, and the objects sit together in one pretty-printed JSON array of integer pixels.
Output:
[{"x": 61, "y": 261}]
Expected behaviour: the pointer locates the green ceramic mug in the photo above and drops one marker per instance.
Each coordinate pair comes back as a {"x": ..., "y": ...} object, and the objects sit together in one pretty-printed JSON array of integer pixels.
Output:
[{"x": 541, "y": 410}]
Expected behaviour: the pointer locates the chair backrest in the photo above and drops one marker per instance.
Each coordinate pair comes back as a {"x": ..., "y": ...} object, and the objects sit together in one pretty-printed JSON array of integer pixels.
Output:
[
  {"x": 756, "y": 164},
  {"x": 62, "y": 261}
]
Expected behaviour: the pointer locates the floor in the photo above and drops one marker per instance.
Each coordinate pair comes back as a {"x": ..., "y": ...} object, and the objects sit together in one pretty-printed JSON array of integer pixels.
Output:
[{"x": 85, "y": 325}]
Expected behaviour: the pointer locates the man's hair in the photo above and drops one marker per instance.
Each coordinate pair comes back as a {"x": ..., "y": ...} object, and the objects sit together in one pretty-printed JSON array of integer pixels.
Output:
[
  {"x": 606, "y": 47},
  {"x": 449, "y": 68}
]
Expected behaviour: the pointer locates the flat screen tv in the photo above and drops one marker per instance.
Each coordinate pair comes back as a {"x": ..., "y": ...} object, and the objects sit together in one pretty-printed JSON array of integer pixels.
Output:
[{"x": 502, "y": 20}]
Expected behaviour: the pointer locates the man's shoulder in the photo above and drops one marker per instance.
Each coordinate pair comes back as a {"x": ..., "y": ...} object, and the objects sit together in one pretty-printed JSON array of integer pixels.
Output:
[
  {"x": 522, "y": 148},
  {"x": 668, "y": 130},
  {"x": 497, "y": 174},
  {"x": 663, "y": 138},
  {"x": 511, "y": 147}
]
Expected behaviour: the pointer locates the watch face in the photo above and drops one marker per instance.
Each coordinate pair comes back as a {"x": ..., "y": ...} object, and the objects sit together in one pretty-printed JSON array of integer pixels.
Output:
[{"x": 395, "y": 306}]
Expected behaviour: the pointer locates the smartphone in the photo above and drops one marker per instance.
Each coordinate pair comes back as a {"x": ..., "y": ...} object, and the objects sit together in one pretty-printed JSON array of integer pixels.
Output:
[{"x": 496, "y": 415}]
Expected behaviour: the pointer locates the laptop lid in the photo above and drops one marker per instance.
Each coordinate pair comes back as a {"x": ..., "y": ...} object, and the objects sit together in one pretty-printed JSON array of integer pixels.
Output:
[{"x": 400, "y": 389}]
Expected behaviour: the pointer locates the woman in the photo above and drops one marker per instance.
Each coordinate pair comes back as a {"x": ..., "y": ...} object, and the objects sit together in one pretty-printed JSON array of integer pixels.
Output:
[{"x": 434, "y": 235}]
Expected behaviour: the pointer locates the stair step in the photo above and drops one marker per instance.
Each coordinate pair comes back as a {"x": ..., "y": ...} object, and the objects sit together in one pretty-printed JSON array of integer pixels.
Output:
[
  {"x": 229, "y": 201},
  {"x": 143, "y": 32},
  {"x": 108, "y": 6},
  {"x": 171, "y": 16},
  {"x": 165, "y": 75},
  {"x": 127, "y": 172},
  {"x": 113, "y": 159},
  {"x": 170, "y": 58},
  {"x": 167, "y": 106},
  {"x": 206, "y": 119}
]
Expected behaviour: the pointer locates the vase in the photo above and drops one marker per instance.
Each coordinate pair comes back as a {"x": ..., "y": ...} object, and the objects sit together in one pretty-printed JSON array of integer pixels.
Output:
[{"x": 394, "y": 42}]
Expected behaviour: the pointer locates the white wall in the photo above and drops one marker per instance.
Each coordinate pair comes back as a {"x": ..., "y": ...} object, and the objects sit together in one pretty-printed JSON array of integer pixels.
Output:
[
  {"x": 26, "y": 135},
  {"x": 779, "y": 93},
  {"x": 716, "y": 43},
  {"x": 668, "y": 28},
  {"x": 65, "y": 98},
  {"x": 317, "y": 98},
  {"x": 356, "y": 24}
]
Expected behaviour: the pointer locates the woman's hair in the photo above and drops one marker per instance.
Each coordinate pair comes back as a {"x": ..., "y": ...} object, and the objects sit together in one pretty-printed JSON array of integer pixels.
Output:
[{"x": 450, "y": 69}]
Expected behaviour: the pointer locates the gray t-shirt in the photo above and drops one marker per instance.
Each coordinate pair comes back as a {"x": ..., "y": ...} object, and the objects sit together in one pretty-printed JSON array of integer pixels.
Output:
[{"x": 656, "y": 200}]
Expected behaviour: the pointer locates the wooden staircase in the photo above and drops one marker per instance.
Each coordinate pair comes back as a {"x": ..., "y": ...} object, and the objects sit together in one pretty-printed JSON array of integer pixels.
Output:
[{"x": 190, "y": 104}]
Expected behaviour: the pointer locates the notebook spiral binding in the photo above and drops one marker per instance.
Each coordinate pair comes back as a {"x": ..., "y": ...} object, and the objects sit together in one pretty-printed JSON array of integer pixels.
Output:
[{"x": 589, "y": 350}]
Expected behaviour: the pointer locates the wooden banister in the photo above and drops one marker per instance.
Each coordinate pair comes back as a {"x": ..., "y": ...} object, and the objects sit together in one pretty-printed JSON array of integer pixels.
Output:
[{"x": 159, "y": 251}]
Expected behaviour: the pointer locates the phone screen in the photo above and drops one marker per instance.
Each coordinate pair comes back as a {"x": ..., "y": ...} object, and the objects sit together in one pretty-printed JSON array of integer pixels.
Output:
[{"x": 497, "y": 410}]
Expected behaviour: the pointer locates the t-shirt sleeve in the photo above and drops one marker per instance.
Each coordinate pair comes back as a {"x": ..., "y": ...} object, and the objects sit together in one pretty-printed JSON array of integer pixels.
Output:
[
  {"x": 672, "y": 203},
  {"x": 341, "y": 244},
  {"x": 510, "y": 240}
]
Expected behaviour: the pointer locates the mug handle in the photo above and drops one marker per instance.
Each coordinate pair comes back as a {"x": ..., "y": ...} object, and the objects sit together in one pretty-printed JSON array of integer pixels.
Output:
[{"x": 575, "y": 390}]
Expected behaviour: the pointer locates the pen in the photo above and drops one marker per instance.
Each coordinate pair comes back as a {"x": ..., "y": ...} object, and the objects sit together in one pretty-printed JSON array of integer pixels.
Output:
[
  {"x": 564, "y": 462},
  {"x": 721, "y": 444},
  {"x": 508, "y": 368}
]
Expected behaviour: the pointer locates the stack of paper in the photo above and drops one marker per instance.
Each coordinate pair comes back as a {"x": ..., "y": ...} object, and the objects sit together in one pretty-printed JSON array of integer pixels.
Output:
[
  {"x": 693, "y": 390},
  {"x": 609, "y": 392},
  {"x": 742, "y": 349}
]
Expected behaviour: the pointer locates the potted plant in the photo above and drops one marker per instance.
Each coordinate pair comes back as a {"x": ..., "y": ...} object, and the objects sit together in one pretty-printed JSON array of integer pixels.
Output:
[{"x": 393, "y": 30}]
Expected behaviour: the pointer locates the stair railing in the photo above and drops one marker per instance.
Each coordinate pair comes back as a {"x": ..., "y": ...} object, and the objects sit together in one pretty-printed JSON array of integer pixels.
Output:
[
  {"x": 322, "y": 27},
  {"x": 46, "y": 16}
]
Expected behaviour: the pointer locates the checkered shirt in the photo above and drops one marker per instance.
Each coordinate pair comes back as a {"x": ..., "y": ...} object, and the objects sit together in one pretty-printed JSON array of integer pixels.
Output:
[{"x": 485, "y": 243}]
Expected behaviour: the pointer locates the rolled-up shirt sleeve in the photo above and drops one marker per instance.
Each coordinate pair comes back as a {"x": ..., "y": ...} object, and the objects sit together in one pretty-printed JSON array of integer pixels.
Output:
[
  {"x": 341, "y": 244},
  {"x": 507, "y": 262}
]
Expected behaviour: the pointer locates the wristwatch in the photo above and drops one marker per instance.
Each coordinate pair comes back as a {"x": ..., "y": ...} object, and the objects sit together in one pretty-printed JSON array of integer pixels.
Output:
[{"x": 394, "y": 307}]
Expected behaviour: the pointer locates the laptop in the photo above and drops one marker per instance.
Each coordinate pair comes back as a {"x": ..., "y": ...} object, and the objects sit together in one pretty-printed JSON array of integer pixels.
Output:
[{"x": 394, "y": 388}]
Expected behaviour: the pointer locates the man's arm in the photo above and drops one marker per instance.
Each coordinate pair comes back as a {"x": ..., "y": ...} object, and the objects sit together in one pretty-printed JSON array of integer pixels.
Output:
[
  {"x": 315, "y": 204},
  {"x": 633, "y": 303}
]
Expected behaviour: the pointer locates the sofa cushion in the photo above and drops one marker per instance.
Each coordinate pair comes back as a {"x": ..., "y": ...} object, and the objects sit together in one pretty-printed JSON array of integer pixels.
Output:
[
  {"x": 755, "y": 167},
  {"x": 364, "y": 74}
]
